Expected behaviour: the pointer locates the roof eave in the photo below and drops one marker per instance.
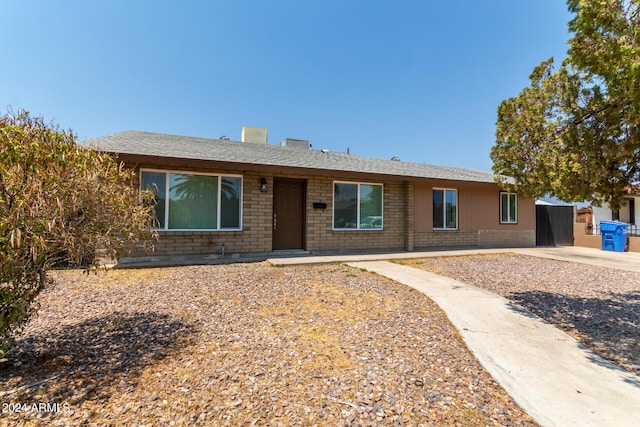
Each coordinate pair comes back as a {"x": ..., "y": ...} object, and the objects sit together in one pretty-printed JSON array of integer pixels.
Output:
[{"x": 177, "y": 162}]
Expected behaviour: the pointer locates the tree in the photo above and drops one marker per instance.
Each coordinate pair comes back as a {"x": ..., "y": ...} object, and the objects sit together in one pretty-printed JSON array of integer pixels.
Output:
[
  {"x": 59, "y": 202},
  {"x": 574, "y": 132}
]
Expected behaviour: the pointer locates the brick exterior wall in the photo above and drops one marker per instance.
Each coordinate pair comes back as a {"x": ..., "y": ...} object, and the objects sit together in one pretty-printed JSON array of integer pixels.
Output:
[
  {"x": 446, "y": 238},
  {"x": 399, "y": 232},
  {"x": 408, "y": 215},
  {"x": 255, "y": 236},
  {"x": 320, "y": 234}
]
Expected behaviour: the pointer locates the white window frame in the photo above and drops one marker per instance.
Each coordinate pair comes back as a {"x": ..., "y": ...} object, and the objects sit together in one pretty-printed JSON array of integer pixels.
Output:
[
  {"x": 357, "y": 184},
  {"x": 168, "y": 172},
  {"x": 444, "y": 209},
  {"x": 508, "y": 221}
]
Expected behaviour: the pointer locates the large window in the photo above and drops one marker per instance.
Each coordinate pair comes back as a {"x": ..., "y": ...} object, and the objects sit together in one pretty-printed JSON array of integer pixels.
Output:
[
  {"x": 357, "y": 206},
  {"x": 190, "y": 201},
  {"x": 508, "y": 208},
  {"x": 445, "y": 209}
]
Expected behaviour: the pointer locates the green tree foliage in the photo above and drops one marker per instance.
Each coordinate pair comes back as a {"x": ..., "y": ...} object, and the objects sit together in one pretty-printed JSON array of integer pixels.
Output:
[
  {"x": 574, "y": 132},
  {"x": 59, "y": 203}
]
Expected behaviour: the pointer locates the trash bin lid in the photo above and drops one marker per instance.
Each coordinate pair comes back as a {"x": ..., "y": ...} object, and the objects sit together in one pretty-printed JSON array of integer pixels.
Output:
[{"x": 613, "y": 225}]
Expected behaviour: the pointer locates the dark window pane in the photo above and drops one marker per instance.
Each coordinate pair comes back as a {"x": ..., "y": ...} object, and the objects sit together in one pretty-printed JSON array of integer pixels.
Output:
[
  {"x": 438, "y": 209},
  {"x": 345, "y": 205},
  {"x": 504, "y": 207},
  {"x": 513, "y": 207},
  {"x": 230, "y": 203},
  {"x": 157, "y": 182}
]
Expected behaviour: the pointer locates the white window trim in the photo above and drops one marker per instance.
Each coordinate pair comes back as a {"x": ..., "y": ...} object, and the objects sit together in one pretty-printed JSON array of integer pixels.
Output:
[
  {"x": 508, "y": 208},
  {"x": 333, "y": 208},
  {"x": 444, "y": 209},
  {"x": 167, "y": 173}
]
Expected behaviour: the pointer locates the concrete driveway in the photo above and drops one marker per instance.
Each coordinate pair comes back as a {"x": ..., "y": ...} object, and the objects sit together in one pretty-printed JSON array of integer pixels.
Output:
[{"x": 623, "y": 260}]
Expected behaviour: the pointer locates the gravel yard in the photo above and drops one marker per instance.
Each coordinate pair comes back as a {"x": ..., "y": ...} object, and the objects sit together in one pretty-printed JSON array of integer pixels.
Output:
[
  {"x": 598, "y": 306},
  {"x": 251, "y": 344}
]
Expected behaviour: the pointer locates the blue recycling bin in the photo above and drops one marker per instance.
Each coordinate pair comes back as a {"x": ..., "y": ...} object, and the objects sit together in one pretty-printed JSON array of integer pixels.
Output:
[{"x": 614, "y": 235}]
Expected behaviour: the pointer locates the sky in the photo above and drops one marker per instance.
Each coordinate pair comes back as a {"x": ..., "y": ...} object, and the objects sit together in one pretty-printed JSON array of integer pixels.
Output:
[{"x": 416, "y": 79}]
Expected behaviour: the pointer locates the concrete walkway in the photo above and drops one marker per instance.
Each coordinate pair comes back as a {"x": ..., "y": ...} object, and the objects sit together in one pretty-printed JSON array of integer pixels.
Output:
[{"x": 551, "y": 376}]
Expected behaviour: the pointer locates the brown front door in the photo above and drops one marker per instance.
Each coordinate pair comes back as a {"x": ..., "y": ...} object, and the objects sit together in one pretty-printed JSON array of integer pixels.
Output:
[{"x": 288, "y": 214}]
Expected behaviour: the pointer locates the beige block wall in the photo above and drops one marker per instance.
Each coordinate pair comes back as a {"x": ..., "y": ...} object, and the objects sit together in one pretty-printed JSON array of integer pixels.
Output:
[
  {"x": 433, "y": 239},
  {"x": 581, "y": 238},
  {"x": 480, "y": 238}
]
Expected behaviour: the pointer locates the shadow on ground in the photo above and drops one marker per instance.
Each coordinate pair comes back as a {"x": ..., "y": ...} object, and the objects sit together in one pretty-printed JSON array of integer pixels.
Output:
[
  {"x": 89, "y": 357},
  {"x": 608, "y": 326}
]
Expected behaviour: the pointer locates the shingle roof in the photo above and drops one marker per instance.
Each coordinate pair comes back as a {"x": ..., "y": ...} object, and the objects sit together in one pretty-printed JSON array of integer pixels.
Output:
[{"x": 187, "y": 147}]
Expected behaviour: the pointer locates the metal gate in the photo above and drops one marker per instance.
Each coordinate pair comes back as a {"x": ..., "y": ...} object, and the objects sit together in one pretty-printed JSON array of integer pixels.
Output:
[{"x": 554, "y": 225}]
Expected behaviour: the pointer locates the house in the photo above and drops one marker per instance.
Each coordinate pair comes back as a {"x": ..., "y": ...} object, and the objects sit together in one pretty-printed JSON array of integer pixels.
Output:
[
  {"x": 587, "y": 227},
  {"x": 627, "y": 212},
  {"x": 216, "y": 196}
]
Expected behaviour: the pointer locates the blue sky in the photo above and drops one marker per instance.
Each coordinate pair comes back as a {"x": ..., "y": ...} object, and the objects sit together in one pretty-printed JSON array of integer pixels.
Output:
[{"x": 420, "y": 80}]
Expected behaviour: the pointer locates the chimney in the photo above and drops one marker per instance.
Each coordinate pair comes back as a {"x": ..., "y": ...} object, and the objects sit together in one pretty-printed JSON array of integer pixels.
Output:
[
  {"x": 254, "y": 134},
  {"x": 296, "y": 143}
]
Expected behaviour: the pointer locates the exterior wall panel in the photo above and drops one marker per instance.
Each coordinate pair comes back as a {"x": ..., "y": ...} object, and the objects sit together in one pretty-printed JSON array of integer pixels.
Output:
[
  {"x": 478, "y": 218},
  {"x": 478, "y": 207}
]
